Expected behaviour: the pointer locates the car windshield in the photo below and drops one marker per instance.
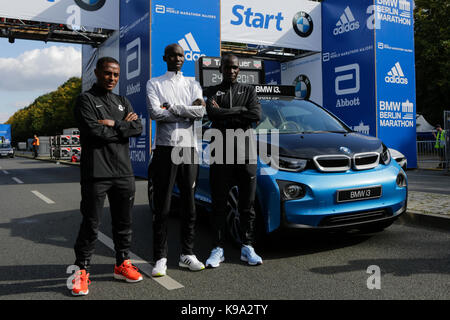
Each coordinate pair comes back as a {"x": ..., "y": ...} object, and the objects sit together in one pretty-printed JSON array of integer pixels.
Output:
[
  {"x": 5, "y": 146},
  {"x": 297, "y": 116}
]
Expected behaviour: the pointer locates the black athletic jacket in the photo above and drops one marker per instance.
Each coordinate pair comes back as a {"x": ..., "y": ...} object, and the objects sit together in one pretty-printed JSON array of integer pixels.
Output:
[
  {"x": 239, "y": 109},
  {"x": 105, "y": 150},
  {"x": 239, "y": 106}
]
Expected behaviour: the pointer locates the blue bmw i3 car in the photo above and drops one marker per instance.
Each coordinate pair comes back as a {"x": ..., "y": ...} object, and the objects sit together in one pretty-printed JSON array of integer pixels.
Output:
[{"x": 324, "y": 176}]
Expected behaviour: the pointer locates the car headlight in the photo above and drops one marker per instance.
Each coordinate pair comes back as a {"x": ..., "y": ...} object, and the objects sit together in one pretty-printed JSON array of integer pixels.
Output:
[
  {"x": 290, "y": 164},
  {"x": 291, "y": 190},
  {"x": 385, "y": 156}
]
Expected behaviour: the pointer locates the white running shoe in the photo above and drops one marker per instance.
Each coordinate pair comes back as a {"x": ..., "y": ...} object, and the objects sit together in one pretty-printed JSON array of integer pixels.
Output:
[
  {"x": 159, "y": 270},
  {"x": 191, "y": 262},
  {"x": 215, "y": 258}
]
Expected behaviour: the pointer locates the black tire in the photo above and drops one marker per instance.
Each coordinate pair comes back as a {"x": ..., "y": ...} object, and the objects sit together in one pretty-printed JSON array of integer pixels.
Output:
[{"x": 233, "y": 217}]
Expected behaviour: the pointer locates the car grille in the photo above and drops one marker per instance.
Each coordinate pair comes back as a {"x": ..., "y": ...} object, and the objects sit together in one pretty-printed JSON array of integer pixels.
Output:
[
  {"x": 364, "y": 161},
  {"x": 352, "y": 218},
  {"x": 332, "y": 163},
  {"x": 342, "y": 163}
]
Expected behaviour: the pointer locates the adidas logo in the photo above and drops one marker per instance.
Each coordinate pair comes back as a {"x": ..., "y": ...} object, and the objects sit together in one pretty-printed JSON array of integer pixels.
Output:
[
  {"x": 346, "y": 23},
  {"x": 396, "y": 75},
  {"x": 190, "y": 47}
]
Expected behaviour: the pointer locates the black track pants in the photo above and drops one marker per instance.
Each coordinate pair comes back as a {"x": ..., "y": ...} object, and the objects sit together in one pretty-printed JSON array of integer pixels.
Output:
[
  {"x": 164, "y": 173},
  {"x": 222, "y": 178},
  {"x": 120, "y": 192}
]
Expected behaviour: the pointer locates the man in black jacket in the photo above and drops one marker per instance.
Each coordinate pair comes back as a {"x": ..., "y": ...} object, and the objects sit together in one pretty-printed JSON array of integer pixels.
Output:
[
  {"x": 233, "y": 108},
  {"x": 106, "y": 122}
]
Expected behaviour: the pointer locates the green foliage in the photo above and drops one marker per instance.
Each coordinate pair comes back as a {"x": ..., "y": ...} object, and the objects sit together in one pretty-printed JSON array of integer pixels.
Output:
[
  {"x": 49, "y": 114},
  {"x": 432, "y": 47}
]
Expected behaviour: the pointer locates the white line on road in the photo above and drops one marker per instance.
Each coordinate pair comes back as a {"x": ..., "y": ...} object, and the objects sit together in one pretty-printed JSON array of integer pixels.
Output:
[
  {"x": 42, "y": 197},
  {"x": 166, "y": 281},
  {"x": 5, "y": 172},
  {"x": 17, "y": 180}
]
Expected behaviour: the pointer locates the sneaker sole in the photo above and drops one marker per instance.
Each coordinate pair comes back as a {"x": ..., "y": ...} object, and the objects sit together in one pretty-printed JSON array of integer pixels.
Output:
[
  {"x": 209, "y": 265},
  {"x": 157, "y": 275},
  {"x": 183, "y": 265},
  {"x": 121, "y": 277},
  {"x": 81, "y": 293},
  {"x": 244, "y": 258}
]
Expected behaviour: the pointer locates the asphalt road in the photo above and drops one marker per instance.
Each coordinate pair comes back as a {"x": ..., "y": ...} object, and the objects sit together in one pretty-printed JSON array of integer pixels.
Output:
[{"x": 39, "y": 220}]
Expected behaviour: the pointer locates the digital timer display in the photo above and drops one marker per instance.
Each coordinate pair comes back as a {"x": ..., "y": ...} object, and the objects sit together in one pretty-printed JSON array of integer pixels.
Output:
[
  {"x": 213, "y": 77},
  {"x": 251, "y": 71}
]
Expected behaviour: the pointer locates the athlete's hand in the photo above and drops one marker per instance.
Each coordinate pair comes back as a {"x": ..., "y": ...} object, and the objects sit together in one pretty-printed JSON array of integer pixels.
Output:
[
  {"x": 107, "y": 122},
  {"x": 199, "y": 102},
  {"x": 131, "y": 117},
  {"x": 214, "y": 103}
]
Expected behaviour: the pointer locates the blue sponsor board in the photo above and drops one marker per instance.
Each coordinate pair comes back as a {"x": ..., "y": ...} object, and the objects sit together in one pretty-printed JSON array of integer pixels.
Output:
[
  {"x": 272, "y": 71},
  {"x": 135, "y": 72},
  {"x": 194, "y": 25},
  {"x": 348, "y": 56},
  {"x": 396, "y": 100},
  {"x": 5, "y": 133}
]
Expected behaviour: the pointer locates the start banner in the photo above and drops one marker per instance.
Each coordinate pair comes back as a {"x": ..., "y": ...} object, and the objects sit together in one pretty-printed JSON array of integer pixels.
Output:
[{"x": 294, "y": 24}]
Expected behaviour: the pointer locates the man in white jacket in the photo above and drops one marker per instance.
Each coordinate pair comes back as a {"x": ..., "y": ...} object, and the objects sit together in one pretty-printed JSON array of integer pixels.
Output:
[{"x": 174, "y": 102}]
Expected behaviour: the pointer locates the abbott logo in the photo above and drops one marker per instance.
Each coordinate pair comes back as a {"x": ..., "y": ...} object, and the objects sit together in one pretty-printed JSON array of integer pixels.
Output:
[
  {"x": 133, "y": 62},
  {"x": 190, "y": 47},
  {"x": 396, "y": 75},
  {"x": 351, "y": 74},
  {"x": 346, "y": 23}
]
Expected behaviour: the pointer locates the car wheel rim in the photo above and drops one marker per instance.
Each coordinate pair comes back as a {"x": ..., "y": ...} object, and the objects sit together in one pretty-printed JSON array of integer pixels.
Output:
[{"x": 233, "y": 217}]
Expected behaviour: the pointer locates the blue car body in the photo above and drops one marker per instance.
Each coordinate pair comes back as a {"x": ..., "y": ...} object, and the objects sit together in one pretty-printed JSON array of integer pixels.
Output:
[
  {"x": 319, "y": 206},
  {"x": 376, "y": 182}
]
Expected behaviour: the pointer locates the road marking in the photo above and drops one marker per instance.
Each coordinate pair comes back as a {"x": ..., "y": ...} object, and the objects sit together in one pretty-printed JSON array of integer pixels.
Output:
[
  {"x": 17, "y": 180},
  {"x": 144, "y": 266},
  {"x": 42, "y": 197},
  {"x": 5, "y": 172}
]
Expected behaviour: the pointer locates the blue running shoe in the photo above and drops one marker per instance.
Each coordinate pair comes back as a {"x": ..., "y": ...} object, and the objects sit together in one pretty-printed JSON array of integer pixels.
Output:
[
  {"x": 249, "y": 255},
  {"x": 215, "y": 258}
]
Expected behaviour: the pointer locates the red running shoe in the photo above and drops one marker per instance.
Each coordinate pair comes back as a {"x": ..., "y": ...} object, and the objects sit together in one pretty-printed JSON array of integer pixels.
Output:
[
  {"x": 81, "y": 283},
  {"x": 126, "y": 271}
]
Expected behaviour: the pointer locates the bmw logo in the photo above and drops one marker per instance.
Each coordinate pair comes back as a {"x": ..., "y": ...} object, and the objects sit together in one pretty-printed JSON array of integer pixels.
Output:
[
  {"x": 302, "y": 87},
  {"x": 345, "y": 150},
  {"x": 303, "y": 24},
  {"x": 90, "y": 5}
]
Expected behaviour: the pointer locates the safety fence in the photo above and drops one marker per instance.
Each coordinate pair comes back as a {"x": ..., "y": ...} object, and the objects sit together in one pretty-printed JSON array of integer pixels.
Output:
[{"x": 428, "y": 156}]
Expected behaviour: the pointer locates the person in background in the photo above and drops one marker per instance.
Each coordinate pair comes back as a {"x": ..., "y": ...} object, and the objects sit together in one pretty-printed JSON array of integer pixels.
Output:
[
  {"x": 174, "y": 102},
  {"x": 35, "y": 144},
  {"x": 106, "y": 122},
  {"x": 439, "y": 146}
]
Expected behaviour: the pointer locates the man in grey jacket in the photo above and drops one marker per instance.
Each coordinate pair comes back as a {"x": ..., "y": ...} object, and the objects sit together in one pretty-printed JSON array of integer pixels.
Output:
[{"x": 174, "y": 102}]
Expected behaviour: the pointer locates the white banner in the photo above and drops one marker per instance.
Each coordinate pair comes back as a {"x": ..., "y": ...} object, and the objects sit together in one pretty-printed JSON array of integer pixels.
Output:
[
  {"x": 74, "y": 13},
  {"x": 284, "y": 23}
]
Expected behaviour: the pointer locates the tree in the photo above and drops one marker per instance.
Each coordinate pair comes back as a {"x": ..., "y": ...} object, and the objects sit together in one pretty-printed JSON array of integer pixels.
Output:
[
  {"x": 432, "y": 47},
  {"x": 49, "y": 114}
]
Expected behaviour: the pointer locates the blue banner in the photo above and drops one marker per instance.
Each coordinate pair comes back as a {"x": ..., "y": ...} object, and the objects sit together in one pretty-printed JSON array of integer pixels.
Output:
[
  {"x": 194, "y": 25},
  {"x": 272, "y": 71},
  {"x": 348, "y": 56},
  {"x": 395, "y": 67},
  {"x": 135, "y": 72},
  {"x": 5, "y": 133}
]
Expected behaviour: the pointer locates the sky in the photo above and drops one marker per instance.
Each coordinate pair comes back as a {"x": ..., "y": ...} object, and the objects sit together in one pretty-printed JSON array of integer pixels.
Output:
[{"x": 29, "y": 69}]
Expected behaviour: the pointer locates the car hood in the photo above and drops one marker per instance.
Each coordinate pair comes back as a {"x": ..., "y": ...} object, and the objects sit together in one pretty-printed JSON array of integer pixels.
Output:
[{"x": 309, "y": 145}]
